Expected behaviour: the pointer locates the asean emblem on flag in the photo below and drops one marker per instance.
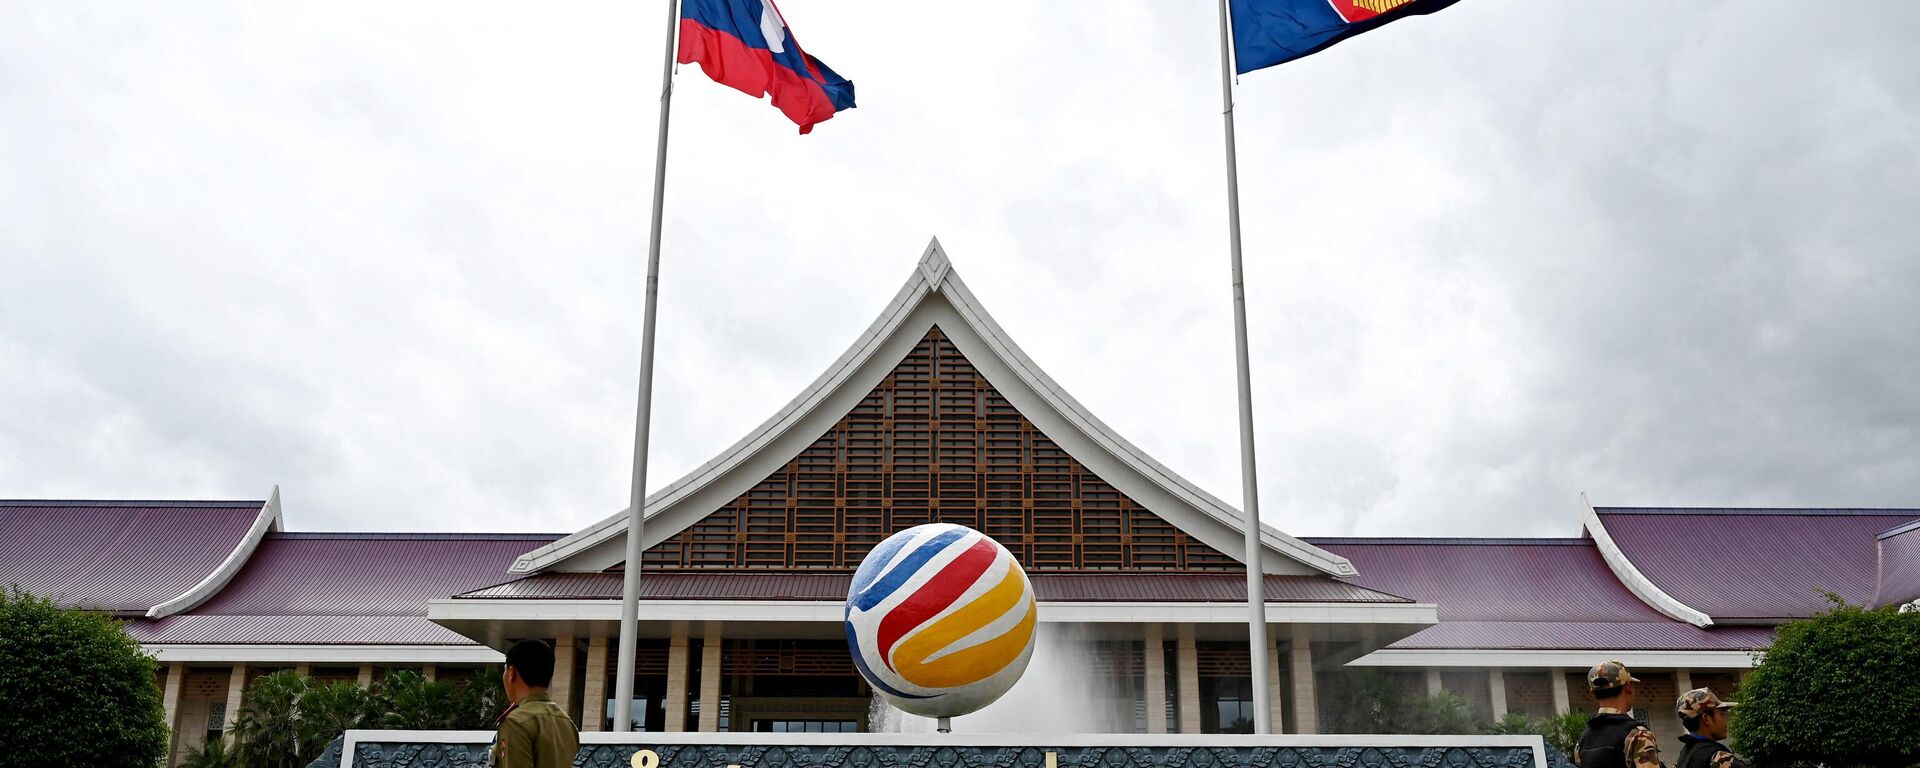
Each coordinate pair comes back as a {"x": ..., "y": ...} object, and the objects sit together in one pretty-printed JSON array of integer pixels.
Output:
[
  {"x": 940, "y": 620},
  {"x": 1361, "y": 10}
]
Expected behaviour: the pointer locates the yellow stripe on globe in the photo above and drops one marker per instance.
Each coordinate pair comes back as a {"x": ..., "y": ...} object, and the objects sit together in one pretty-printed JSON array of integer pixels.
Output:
[{"x": 940, "y": 620}]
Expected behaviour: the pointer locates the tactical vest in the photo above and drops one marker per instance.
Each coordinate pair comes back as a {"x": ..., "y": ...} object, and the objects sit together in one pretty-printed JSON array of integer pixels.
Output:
[
  {"x": 1697, "y": 752},
  {"x": 1602, "y": 744}
]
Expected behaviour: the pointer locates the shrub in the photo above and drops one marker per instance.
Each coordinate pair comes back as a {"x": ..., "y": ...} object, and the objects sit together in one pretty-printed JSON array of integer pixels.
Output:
[
  {"x": 1840, "y": 689},
  {"x": 288, "y": 719},
  {"x": 212, "y": 755},
  {"x": 1562, "y": 732},
  {"x": 78, "y": 691},
  {"x": 408, "y": 700},
  {"x": 1441, "y": 713},
  {"x": 1364, "y": 701}
]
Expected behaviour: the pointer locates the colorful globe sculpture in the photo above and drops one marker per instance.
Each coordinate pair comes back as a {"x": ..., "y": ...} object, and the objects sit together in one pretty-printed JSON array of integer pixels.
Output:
[{"x": 940, "y": 620}]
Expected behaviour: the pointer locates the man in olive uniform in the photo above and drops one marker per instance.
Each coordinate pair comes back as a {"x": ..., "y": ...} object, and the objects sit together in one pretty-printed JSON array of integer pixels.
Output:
[
  {"x": 534, "y": 731},
  {"x": 1613, "y": 738},
  {"x": 1705, "y": 716}
]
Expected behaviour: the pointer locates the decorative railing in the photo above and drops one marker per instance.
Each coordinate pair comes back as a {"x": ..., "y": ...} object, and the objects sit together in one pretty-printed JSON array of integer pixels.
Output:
[{"x": 458, "y": 749}]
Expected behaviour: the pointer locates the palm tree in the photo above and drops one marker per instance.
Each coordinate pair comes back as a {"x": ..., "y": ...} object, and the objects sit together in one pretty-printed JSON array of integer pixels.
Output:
[
  {"x": 265, "y": 732},
  {"x": 212, "y": 755}
]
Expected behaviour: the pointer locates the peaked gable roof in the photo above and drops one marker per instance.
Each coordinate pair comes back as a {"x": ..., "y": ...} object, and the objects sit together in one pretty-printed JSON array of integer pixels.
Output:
[{"x": 933, "y": 296}]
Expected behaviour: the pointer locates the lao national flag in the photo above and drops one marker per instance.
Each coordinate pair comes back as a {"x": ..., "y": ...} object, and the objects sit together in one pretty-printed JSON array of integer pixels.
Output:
[
  {"x": 745, "y": 44},
  {"x": 1269, "y": 32}
]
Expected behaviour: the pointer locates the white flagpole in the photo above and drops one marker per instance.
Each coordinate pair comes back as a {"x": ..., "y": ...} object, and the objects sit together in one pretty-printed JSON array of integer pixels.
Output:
[
  {"x": 1249, "y": 477},
  {"x": 637, "y": 494}
]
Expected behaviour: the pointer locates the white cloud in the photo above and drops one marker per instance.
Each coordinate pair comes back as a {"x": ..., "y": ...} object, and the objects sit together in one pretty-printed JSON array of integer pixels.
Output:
[{"x": 390, "y": 257}]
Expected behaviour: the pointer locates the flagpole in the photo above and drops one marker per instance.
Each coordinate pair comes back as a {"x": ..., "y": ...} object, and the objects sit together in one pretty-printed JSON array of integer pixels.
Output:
[
  {"x": 1249, "y": 477},
  {"x": 642, "y": 420}
]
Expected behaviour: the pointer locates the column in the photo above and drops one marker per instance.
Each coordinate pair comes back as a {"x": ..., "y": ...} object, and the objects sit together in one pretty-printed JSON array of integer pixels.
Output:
[
  {"x": 430, "y": 672},
  {"x": 1562, "y": 703},
  {"x": 710, "y": 677},
  {"x": 1497, "y": 692},
  {"x": 1682, "y": 681},
  {"x": 366, "y": 675},
  {"x": 593, "y": 690},
  {"x": 1304, "y": 710},
  {"x": 236, "y": 697},
  {"x": 1187, "y": 658},
  {"x": 561, "y": 688},
  {"x": 170, "y": 704},
  {"x": 1154, "y": 659},
  {"x": 677, "y": 679},
  {"x": 1273, "y": 681},
  {"x": 1434, "y": 688},
  {"x": 303, "y": 669}
]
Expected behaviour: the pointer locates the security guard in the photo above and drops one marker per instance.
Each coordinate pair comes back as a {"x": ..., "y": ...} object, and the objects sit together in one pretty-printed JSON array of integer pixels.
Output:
[
  {"x": 1705, "y": 716},
  {"x": 534, "y": 731},
  {"x": 1613, "y": 738}
]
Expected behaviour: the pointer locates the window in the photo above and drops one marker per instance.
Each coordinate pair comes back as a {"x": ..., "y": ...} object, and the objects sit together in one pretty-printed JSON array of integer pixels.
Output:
[
  {"x": 216, "y": 721},
  {"x": 806, "y": 726},
  {"x": 638, "y": 715},
  {"x": 1232, "y": 706}
]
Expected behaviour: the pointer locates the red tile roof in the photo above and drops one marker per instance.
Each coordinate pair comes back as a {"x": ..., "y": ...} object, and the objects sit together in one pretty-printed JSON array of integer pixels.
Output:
[
  {"x": 345, "y": 588},
  {"x": 295, "y": 630},
  {"x": 1053, "y": 587},
  {"x": 1555, "y": 635},
  {"x": 1557, "y": 580},
  {"x": 117, "y": 556},
  {"x": 365, "y": 574},
  {"x": 1754, "y": 565},
  {"x": 1899, "y": 565},
  {"x": 1534, "y": 594}
]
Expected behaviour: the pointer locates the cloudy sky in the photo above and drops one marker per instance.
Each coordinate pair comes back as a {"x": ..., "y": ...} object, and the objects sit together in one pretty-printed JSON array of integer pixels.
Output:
[{"x": 389, "y": 256}]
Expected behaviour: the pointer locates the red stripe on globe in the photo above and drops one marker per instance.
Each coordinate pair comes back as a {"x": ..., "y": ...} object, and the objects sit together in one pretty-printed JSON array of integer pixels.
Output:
[{"x": 940, "y": 620}]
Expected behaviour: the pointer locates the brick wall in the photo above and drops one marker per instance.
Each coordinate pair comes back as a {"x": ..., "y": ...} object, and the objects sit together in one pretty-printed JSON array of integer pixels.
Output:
[
  {"x": 1654, "y": 698},
  {"x": 1470, "y": 684},
  {"x": 1530, "y": 691}
]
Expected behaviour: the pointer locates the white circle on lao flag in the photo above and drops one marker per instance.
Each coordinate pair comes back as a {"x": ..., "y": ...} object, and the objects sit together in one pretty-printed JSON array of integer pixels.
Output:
[{"x": 940, "y": 620}]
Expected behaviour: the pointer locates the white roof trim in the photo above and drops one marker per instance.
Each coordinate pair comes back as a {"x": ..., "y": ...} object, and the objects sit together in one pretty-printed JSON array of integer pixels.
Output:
[
  {"x": 267, "y": 520},
  {"x": 235, "y": 653},
  {"x": 1036, "y": 394},
  {"x": 1629, "y": 575},
  {"x": 1572, "y": 659},
  {"x": 834, "y": 612}
]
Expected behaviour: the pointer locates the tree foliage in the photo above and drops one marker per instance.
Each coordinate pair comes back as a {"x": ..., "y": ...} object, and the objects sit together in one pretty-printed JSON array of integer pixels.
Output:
[
  {"x": 1441, "y": 713},
  {"x": 288, "y": 719},
  {"x": 1839, "y": 689},
  {"x": 77, "y": 690},
  {"x": 1367, "y": 701}
]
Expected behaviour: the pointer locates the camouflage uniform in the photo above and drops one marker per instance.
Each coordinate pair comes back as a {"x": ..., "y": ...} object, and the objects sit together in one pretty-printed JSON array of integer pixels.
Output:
[
  {"x": 535, "y": 733},
  {"x": 1614, "y": 739},
  {"x": 1699, "y": 751}
]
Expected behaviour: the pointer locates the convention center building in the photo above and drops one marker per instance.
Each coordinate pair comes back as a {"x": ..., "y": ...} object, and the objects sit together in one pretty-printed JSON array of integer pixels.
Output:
[{"x": 934, "y": 414}]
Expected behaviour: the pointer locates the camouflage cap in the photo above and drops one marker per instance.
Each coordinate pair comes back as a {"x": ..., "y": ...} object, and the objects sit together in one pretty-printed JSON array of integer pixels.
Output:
[
  {"x": 1698, "y": 700},
  {"x": 1608, "y": 675}
]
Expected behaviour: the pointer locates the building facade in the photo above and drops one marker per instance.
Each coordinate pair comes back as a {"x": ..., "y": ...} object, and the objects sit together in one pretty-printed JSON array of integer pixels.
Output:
[{"x": 933, "y": 415}]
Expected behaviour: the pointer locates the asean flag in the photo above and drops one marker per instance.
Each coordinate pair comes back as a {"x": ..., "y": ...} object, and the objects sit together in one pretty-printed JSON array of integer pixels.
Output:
[
  {"x": 1269, "y": 32},
  {"x": 746, "y": 44}
]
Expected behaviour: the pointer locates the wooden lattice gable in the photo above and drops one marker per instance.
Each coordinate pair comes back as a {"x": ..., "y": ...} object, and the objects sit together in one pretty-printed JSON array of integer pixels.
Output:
[
  {"x": 934, "y": 304},
  {"x": 934, "y": 442}
]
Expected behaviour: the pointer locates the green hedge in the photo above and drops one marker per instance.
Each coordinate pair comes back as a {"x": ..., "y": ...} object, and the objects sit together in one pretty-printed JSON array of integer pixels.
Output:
[
  {"x": 1840, "y": 689},
  {"x": 76, "y": 690}
]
